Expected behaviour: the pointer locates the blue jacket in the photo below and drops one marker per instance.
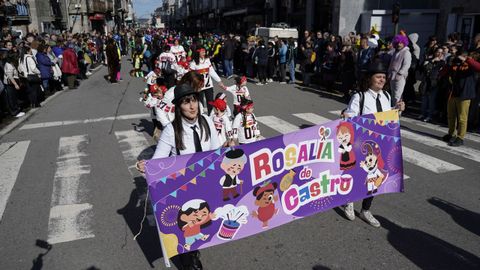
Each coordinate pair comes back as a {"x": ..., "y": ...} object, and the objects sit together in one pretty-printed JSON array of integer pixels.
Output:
[
  {"x": 57, "y": 50},
  {"x": 44, "y": 65},
  {"x": 282, "y": 53},
  {"x": 364, "y": 58}
]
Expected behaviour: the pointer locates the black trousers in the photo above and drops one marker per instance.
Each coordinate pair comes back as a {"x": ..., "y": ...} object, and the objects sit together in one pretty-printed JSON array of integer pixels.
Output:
[
  {"x": 283, "y": 72},
  {"x": 11, "y": 100},
  {"x": 367, "y": 203},
  {"x": 33, "y": 90},
  {"x": 206, "y": 96},
  {"x": 262, "y": 73}
]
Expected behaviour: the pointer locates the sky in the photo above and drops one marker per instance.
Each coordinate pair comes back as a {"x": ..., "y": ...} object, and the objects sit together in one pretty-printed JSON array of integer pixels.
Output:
[{"x": 143, "y": 8}]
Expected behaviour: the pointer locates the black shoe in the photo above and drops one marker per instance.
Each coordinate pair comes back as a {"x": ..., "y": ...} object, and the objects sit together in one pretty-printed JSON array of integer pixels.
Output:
[
  {"x": 448, "y": 138},
  {"x": 456, "y": 142}
]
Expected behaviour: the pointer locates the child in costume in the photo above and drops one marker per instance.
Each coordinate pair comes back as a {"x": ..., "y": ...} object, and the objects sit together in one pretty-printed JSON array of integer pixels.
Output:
[
  {"x": 239, "y": 91},
  {"x": 222, "y": 123},
  {"x": 245, "y": 126},
  {"x": 152, "y": 76},
  {"x": 223, "y": 97}
]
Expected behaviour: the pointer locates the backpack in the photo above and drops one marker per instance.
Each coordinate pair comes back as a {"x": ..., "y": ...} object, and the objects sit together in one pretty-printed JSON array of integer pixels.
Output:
[{"x": 362, "y": 101}]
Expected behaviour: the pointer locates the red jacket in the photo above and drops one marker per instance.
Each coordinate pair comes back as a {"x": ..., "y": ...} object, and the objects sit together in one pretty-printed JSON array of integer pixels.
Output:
[{"x": 70, "y": 64}]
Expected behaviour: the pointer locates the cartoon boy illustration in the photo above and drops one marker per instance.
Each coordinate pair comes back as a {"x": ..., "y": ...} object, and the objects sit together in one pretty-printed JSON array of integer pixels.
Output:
[
  {"x": 232, "y": 164},
  {"x": 345, "y": 139},
  {"x": 194, "y": 215},
  {"x": 373, "y": 165}
]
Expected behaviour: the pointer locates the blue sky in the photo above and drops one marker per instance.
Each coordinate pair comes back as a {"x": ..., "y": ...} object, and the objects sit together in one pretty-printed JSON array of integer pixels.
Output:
[{"x": 143, "y": 8}]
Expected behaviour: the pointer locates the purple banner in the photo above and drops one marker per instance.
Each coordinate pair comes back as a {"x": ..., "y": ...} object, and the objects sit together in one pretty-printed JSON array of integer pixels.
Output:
[{"x": 211, "y": 198}]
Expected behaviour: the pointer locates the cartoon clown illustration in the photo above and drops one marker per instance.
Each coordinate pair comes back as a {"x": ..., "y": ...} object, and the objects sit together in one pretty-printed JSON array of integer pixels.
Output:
[
  {"x": 345, "y": 139},
  {"x": 373, "y": 165},
  {"x": 192, "y": 217}
]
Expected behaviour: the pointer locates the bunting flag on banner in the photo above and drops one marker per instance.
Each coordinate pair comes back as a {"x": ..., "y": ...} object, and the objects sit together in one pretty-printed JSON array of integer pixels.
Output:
[{"x": 252, "y": 188}]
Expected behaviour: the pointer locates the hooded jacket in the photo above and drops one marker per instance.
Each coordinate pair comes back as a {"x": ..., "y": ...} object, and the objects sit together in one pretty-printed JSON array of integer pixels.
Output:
[{"x": 400, "y": 64}]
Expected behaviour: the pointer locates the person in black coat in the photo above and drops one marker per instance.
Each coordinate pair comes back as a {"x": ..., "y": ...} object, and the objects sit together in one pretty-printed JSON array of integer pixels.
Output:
[{"x": 260, "y": 57}]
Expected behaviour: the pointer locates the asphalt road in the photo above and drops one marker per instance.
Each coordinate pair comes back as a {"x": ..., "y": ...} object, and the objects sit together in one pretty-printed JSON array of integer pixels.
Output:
[{"x": 67, "y": 178}]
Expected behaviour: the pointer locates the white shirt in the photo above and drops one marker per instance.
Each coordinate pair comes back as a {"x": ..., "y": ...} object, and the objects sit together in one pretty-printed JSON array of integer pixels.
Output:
[
  {"x": 238, "y": 93},
  {"x": 151, "y": 78},
  {"x": 246, "y": 134},
  {"x": 223, "y": 125},
  {"x": 166, "y": 143},
  {"x": 205, "y": 69},
  {"x": 370, "y": 103},
  {"x": 178, "y": 51}
]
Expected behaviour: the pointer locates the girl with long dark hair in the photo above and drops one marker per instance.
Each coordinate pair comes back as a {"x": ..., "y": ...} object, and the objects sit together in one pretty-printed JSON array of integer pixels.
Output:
[{"x": 201, "y": 64}]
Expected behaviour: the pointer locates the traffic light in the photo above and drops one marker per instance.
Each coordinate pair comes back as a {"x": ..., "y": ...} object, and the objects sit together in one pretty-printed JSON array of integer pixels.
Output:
[{"x": 395, "y": 12}]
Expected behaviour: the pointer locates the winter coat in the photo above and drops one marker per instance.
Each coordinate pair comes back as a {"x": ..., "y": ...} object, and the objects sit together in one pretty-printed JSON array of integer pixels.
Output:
[
  {"x": 70, "y": 64},
  {"x": 228, "y": 49},
  {"x": 400, "y": 64},
  {"x": 462, "y": 76},
  {"x": 364, "y": 58},
  {"x": 44, "y": 65},
  {"x": 261, "y": 55}
]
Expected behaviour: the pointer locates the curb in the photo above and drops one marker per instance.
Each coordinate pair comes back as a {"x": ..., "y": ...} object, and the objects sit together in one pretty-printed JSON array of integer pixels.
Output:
[{"x": 31, "y": 112}]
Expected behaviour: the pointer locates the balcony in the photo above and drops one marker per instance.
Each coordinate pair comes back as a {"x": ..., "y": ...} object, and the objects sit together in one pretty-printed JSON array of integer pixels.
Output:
[
  {"x": 18, "y": 12},
  {"x": 96, "y": 6},
  {"x": 109, "y": 6}
]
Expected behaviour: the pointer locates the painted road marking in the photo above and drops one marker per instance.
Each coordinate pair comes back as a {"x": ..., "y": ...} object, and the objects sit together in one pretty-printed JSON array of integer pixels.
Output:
[
  {"x": 312, "y": 118},
  {"x": 12, "y": 155},
  {"x": 428, "y": 162},
  {"x": 70, "y": 215},
  {"x": 277, "y": 124},
  {"x": 462, "y": 151},
  {"x": 134, "y": 147},
  {"x": 468, "y": 136},
  {"x": 86, "y": 121}
]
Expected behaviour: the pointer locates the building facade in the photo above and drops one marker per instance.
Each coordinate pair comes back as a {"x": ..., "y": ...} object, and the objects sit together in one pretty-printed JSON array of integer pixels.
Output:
[{"x": 426, "y": 17}]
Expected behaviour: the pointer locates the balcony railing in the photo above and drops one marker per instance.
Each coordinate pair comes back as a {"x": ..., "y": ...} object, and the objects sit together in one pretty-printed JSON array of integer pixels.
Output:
[{"x": 18, "y": 12}]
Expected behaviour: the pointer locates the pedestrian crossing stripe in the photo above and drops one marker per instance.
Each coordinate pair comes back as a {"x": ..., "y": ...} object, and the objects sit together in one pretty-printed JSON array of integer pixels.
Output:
[
  {"x": 71, "y": 215},
  {"x": 12, "y": 155}
]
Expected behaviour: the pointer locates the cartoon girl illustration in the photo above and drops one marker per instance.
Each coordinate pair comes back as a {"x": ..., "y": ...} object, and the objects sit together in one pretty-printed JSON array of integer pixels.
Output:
[
  {"x": 345, "y": 139},
  {"x": 194, "y": 215},
  {"x": 373, "y": 165}
]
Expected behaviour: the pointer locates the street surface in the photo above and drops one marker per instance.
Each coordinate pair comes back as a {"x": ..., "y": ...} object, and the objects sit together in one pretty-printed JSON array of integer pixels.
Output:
[{"x": 68, "y": 177}]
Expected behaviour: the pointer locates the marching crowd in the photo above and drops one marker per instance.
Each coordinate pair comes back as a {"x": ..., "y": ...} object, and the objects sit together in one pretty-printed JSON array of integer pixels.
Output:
[{"x": 189, "y": 117}]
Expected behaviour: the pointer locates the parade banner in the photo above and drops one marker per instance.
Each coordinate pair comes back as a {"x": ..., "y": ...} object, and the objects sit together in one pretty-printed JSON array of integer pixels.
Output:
[{"x": 211, "y": 198}]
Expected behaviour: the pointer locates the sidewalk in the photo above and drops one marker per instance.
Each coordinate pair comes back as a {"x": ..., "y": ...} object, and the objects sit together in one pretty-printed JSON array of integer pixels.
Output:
[{"x": 10, "y": 123}]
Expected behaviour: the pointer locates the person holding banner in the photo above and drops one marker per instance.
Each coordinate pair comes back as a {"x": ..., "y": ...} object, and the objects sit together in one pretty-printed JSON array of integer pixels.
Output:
[
  {"x": 190, "y": 132},
  {"x": 373, "y": 100}
]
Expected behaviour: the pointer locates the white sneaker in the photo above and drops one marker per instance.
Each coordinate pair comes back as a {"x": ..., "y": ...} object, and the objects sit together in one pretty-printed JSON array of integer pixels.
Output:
[
  {"x": 269, "y": 80},
  {"x": 259, "y": 83},
  {"x": 20, "y": 114},
  {"x": 349, "y": 211},
  {"x": 88, "y": 73},
  {"x": 283, "y": 82},
  {"x": 368, "y": 217}
]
